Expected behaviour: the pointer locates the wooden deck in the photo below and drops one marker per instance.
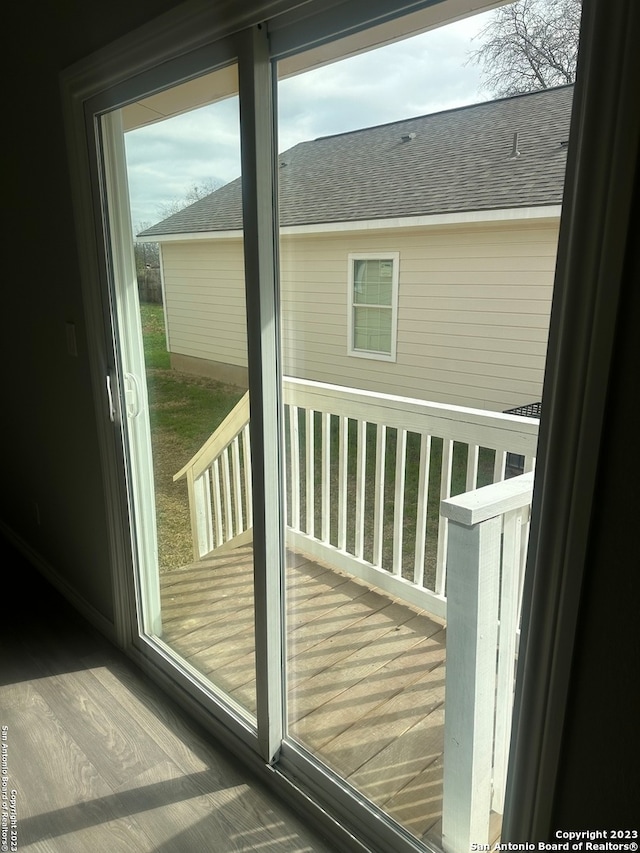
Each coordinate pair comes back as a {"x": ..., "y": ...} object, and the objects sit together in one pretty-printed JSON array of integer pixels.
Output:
[{"x": 365, "y": 672}]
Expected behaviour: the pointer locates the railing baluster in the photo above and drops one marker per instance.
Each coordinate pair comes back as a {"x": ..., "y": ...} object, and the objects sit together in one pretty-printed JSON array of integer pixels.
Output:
[
  {"x": 226, "y": 490},
  {"x": 294, "y": 466},
  {"x": 524, "y": 546},
  {"x": 310, "y": 469},
  {"x": 343, "y": 457},
  {"x": 443, "y": 524},
  {"x": 361, "y": 487},
  {"x": 378, "y": 512},
  {"x": 422, "y": 509},
  {"x": 472, "y": 467},
  {"x": 398, "y": 507},
  {"x": 248, "y": 484},
  {"x": 326, "y": 476},
  {"x": 237, "y": 483},
  {"x": 499, "y": 466},
  {"x": 217, "y": 503}
]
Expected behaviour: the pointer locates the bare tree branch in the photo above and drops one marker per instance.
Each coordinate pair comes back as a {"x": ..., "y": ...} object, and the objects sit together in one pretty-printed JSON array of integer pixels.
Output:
[
  {"x": 192, "y": 195},
  {"x": 529, "y": 45}
]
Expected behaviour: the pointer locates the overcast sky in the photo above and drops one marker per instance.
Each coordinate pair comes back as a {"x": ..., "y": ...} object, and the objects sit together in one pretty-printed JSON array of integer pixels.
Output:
[{"x": 421, "y": 75}]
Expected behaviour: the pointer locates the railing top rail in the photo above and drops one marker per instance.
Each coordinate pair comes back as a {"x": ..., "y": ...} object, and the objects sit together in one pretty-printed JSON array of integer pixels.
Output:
[
  {"x": 489, "y": 501},
  {"x": 473, "y": 426},
  {"x": 216, "y": 443}
]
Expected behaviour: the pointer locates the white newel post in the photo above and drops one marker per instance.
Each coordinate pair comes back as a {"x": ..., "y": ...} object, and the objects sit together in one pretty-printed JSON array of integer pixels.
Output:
[
  {"x": 200, "y": 506},
  {"x": 473, "y": 575},
  {"x": 202, "y": 490},
  {"x": 485, "y": 531}
]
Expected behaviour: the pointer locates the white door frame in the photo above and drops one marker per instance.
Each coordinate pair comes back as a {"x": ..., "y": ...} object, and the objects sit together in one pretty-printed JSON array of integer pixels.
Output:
[{"x": 135, "y": 405}]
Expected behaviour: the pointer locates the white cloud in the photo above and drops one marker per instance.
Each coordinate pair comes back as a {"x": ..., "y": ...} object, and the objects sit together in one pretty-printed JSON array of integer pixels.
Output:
[
  {"x": 165, "y": 159},
  {"x": 420, "y": 75}
]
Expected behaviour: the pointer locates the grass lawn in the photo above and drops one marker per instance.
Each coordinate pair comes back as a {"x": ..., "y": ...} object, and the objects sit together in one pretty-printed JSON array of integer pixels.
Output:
[{"x": 184, "y": 410}]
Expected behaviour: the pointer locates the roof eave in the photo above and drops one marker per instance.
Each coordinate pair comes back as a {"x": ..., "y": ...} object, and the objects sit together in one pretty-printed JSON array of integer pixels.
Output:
[{"x": 468, "y": 217}]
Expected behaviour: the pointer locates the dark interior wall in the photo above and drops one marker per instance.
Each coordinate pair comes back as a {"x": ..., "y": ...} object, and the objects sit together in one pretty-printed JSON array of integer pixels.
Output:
[{"x": 50, "y": 450}]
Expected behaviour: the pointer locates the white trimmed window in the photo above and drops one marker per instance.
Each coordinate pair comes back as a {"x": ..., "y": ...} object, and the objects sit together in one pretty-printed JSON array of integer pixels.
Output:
[{"x": 373, "y": 304}]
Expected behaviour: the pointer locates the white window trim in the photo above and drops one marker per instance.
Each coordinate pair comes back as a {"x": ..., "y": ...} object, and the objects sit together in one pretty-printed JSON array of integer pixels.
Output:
[{"x": 373, "y": 256}]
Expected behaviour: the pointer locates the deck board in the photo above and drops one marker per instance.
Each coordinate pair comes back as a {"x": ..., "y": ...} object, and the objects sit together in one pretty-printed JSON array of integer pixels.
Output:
[
  {"x": 365, "y": 672},
  {"x": 327, "y": 721}
]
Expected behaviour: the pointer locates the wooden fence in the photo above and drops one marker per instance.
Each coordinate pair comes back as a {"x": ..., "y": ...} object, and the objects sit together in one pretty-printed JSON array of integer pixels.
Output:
[{"x": 150, "y": 285}]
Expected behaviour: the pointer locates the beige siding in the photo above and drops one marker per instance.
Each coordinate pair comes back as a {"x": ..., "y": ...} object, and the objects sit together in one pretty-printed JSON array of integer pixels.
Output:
[
  {"x": 473, "y": 309},
  {"x": 205, "y": 302}
]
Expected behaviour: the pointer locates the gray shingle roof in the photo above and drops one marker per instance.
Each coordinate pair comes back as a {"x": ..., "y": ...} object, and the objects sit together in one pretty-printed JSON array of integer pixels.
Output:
[{"x": 458, "y": 160}]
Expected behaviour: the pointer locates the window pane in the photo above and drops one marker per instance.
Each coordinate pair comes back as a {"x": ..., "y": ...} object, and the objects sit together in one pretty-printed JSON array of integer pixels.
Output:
[
  {"x": 378, "y": 590},
  {"x": 373, "y": 282},
  {"x": 372, "y": 329}
]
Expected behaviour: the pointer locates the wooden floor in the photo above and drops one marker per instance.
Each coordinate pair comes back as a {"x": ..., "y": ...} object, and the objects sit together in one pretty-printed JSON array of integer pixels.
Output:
[
  {"x": 101, "y": 760},
  {"x": 365, "y": 673}
]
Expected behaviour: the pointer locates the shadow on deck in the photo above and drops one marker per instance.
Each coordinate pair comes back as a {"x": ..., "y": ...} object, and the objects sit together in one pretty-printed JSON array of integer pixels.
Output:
[{"x": 365, "y": 672}]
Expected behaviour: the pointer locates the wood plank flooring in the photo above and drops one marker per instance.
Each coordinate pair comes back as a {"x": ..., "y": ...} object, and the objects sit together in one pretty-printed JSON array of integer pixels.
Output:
[
  {"x": 365, "y": 672},
  {"x": 102, "y": 760}
]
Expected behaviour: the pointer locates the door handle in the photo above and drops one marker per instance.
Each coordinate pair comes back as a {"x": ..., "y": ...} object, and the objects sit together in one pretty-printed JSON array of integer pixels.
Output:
[{"x": 132, "y": 395}]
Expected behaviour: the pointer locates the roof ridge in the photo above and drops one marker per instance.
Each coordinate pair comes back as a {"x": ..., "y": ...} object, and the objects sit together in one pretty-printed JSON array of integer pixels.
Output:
[{"x": 432, "y": 115}]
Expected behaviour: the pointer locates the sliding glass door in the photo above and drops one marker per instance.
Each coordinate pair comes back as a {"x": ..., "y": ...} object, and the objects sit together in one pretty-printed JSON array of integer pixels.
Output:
[
  {"x": 311, "y": 361},
  {"x": 406, "y": 266},
  {"x": 181, "y": 328}
]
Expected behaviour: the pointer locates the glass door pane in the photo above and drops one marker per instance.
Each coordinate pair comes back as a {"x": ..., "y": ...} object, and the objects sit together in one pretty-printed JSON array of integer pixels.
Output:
[
  {"x": 410, "y": 326},
  {"x": 173, "y": 161}
]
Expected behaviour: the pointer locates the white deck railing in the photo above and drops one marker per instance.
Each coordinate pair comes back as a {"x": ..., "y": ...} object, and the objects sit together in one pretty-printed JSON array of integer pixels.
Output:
[
  {"x": 219, "y": 484},
  {"x": 364, "y": 476},
  {"x": 488, "y": 535}
]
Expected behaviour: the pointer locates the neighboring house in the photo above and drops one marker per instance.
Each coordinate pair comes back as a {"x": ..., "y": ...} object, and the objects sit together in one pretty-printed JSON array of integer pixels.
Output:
[{"x": 417, "y": 257}]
